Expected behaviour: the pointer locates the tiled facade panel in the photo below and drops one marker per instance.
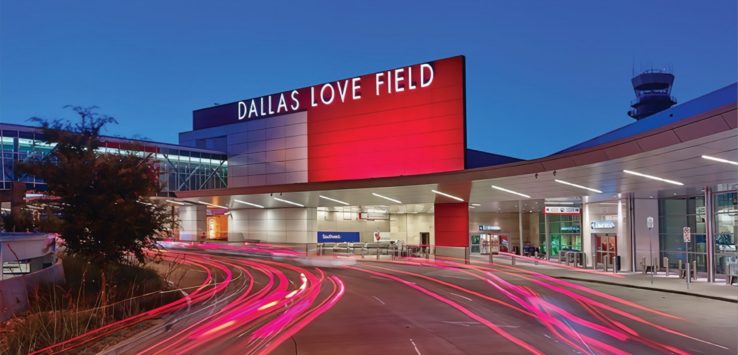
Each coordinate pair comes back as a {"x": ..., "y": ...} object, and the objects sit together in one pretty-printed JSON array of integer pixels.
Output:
[
  {"x": 280, "y": 225},
  {"x": 191, "y": 222},
  {"x": 265, "y": 151}
]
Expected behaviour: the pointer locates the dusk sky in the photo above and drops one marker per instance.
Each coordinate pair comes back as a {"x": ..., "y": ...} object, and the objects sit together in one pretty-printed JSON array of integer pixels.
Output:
[{"x": 541, "y": 75}]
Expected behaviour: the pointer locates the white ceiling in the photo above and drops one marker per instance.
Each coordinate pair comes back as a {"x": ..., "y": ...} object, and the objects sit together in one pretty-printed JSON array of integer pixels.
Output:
[{"x": 681, "y": 162}]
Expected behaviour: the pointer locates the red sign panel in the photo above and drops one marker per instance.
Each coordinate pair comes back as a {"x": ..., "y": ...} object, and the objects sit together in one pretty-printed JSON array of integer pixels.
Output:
[
  {"x": 389, "y": 132},
  {"x": 404, "y": 121}
]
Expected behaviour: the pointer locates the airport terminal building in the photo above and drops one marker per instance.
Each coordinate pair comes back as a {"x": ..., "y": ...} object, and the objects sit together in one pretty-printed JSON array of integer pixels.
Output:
[{"x": 383, "y": 157}]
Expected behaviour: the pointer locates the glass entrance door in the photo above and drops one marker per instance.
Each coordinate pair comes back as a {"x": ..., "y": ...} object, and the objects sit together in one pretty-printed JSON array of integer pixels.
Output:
[{"x": 605, "y": 247}]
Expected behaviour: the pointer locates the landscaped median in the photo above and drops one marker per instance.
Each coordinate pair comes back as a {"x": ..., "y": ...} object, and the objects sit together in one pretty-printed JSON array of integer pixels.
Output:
[{"x": 57, "y": 313}]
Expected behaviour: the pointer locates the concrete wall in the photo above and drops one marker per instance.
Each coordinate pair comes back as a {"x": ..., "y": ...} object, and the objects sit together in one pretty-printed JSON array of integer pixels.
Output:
[
  {"x": 274, "y": 225},
  {"x": 14, "y": 291},
  {"x": 261, "y": 151},
  {"x": 332, "y": 221},
  {"x": 407, "y": 227}
]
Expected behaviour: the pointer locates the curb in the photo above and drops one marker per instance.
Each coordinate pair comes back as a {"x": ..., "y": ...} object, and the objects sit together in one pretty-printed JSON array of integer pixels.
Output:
[{"x": 686, "y": 293}]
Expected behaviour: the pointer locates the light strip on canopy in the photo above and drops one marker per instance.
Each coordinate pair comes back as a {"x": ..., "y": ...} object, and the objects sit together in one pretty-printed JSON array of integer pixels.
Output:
[
  {"x": 510, "y": 191},
  {"x": 248, "y": 203},
  {"x": 287, "y": 201},
  {"x": 176, "y": 202},
  {"x": 653, "y": 177},
  {"x": 211, "y": 204},
  {"x": 476, "y": 204},
  {"x": 334, "y": 200},
  {"x": 386, "y": 198},
  {"x": 579, "y": 186},
  {"x": 447, "y": 195},
  {"x": 720, "y": 160}
]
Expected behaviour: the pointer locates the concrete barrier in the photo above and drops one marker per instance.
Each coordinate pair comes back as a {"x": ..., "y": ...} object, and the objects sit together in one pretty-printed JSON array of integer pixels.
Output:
[{"x": 14, "y": 291}]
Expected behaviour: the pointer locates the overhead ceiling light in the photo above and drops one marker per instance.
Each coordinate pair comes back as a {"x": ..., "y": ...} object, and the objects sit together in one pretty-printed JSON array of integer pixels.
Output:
[
  {"x": 652, "y": 177},
  {"x": 476, "y": 204},
  {"x": 510, "y": 191},
  {"x": 386, "y": 198},
  {"x": 211, "y": 204},
  {"x": 176, "y": 202},
  {"x": 579, "y": 186},
  {"x": 248, "y": 203},
  {"x": 470, "y": 206},
  {"x": 334, "y": 200},
  {"x": 447, "y": 195},
  {"x": 287, "y": 201},
  {"x": 726, "y": 161},
  {"x": 552, "y": 203}
]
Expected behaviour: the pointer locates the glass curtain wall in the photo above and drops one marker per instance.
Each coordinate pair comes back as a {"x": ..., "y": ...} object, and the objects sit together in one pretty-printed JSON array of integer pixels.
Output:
[
  {"x": 565, "y": 233},
  {"x": 675, "y": 214},
  {"x": 726, "y": 226}
]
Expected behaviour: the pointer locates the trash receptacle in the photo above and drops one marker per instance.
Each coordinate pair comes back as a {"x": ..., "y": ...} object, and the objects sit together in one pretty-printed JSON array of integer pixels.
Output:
[{"x": 616, "y": 262}]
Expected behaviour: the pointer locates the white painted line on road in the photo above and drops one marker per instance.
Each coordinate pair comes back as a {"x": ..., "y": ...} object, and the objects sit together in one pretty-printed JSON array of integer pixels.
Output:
[
  {"x": 415, "y": 346},
  {"x": 378, "y": 300},
  {"x": 460, "y": 296},
  {"x": 471, "y": 323}
]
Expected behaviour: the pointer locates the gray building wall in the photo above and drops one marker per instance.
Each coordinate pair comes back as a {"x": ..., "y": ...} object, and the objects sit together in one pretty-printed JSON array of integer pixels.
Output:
[{"x": 266, "y": 151}]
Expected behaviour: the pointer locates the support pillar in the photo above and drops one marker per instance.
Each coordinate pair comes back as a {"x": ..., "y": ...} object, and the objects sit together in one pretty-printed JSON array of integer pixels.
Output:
[
  {"x": 192, "y": 222},
  {"x": 710, "y": 234},
  {"x": 546, "y": 230},
  {"x": 451, "y": 224},
  {"x": 520, "y": 225}
]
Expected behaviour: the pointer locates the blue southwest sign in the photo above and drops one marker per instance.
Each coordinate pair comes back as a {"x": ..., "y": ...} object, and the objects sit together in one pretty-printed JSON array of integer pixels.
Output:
[{"x": 336, "y": 237}]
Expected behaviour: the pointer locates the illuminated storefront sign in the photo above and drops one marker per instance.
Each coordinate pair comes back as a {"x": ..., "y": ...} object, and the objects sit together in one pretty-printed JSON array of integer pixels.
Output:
[
  {"x": 484, "y": 227},
  {"x": 561, "y": 210},
  {"x": 606, "y": 224}
]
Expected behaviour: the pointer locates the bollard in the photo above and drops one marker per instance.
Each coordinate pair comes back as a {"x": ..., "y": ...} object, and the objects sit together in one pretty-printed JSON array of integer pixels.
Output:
[
  {"x": 513, "y": 259},
  {"x": 607, "y": 261},
  {"x": 535, "y": 258},
  {"x": 694, "y": 269},
  {"x": 307, "y": 249},
  {"x": 491, "y": 257},
  {"x": 614, "y": 267},
  {"x": 688, "y": 275},
  {"x": 680, "y": 268},
  {"x": 377, "y": 253},
  {"x": 666, "y": 265},
  {"x": 727, "y": 274}
]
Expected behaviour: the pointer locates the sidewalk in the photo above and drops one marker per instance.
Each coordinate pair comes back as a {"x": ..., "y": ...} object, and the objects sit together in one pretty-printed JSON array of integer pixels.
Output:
[{"x": 660, "y": 282}]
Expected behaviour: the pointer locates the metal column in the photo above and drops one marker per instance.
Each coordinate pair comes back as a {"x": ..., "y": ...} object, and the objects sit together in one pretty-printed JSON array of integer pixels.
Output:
[
  {"x": 548, "y": 235},
  {"x": 632, "y": 225},
  {"x": 709, "y": 234},
  {"x": 520, "y": 225}
]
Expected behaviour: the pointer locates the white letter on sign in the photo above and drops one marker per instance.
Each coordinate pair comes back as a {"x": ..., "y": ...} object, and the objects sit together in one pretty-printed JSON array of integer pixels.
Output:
[
  {"x": 426, "y": 80},
  {"x": 379, "y": 81},
  {"x": 242, "y": 110}
]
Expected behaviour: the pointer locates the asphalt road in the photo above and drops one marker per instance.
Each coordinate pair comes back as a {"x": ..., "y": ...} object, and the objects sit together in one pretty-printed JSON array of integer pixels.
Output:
[
  {"x": 397, "y": 317},
  {"x": 259, "y": 303}
]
